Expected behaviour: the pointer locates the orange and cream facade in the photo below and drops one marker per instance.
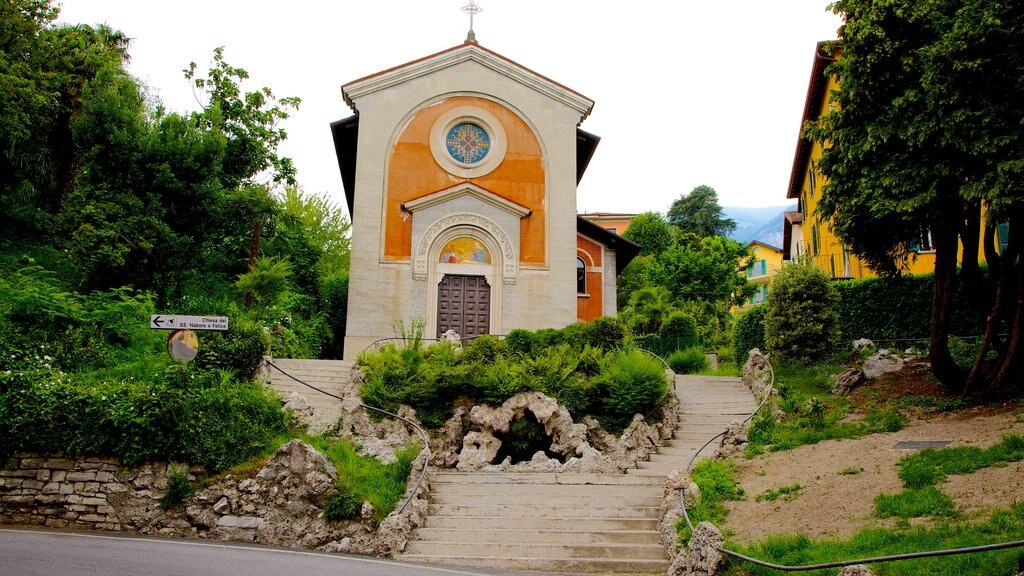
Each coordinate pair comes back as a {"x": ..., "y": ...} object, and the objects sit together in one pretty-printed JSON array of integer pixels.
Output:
[{"x": 460, "y": 173}]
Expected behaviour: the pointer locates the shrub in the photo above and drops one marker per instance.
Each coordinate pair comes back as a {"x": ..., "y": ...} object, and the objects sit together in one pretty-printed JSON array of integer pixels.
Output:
[
  {"x": 485, "y": 349},
  {"x": 178, "y": 488},
  {"x": 341, "y": 504},
  {"x": 631, "y": 382},
  {"x": 679, "y": 330},
  {"x": 606, "y": 333},
  {"x": 882, "y": 308},
  {"x": 203, "y": 419},
  {"x": 748, "y": 333},
  {"x": 688, "y": 361},
  {"x": 519, "y": 341},
  {"x": 801, "y": 322},
  {"x": 240, "y": 349},
  {"x": 334, "y": 304}
]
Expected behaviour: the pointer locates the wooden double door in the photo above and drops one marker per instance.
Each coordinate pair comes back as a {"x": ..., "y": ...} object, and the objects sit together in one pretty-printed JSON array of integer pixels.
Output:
[{"x": 463, "y": 305}]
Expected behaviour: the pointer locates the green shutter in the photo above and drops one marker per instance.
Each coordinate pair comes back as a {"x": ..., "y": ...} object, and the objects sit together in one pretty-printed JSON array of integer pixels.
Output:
[{"x": 1003, "y": 230}]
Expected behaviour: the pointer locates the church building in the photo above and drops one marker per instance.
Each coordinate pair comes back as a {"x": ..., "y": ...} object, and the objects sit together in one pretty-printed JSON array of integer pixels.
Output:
[{"x": 460, "y": 173}]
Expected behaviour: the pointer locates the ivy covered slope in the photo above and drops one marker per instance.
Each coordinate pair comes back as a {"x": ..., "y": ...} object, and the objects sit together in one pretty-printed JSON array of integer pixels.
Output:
[{"x": 113, "y": 208}]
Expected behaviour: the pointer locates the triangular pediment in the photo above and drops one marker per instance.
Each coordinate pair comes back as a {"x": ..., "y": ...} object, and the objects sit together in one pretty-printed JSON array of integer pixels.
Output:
[
  {"x": 468, "y": 52},
  {"x": 465, "y": 189}
]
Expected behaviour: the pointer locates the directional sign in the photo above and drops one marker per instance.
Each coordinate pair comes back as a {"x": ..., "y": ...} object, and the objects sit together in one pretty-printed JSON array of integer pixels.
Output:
[{"x": 172, "y": 322}]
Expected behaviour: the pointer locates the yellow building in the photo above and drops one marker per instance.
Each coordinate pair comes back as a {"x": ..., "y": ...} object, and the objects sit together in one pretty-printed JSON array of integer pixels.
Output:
[
  {"x": 614, "y": 222},
  {"x": 767, "y": 261},
  {"x": 805, "y": 235}
]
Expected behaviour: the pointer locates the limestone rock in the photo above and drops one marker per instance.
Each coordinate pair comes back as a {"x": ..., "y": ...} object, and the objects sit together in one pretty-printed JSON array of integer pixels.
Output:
[
  {"x": 847, "y": 381},
  {"x": 222, "y": 506},
  {"x": 756, "y": 373},
  {"x": 734, "y": 439},
  {"x": 863, "y": 344},
  {"x": 882, "y": 362},
  {"x": 704, "y": 557},
  {"x": 478, "y": 450}
]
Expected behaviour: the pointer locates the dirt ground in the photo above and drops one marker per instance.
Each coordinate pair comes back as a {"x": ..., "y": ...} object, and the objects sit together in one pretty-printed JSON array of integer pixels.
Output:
[{"x": 839, "y": 479}]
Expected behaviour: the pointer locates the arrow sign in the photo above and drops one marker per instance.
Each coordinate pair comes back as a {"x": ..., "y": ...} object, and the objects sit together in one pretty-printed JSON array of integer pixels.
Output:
[{"x": 175, "y": 322}]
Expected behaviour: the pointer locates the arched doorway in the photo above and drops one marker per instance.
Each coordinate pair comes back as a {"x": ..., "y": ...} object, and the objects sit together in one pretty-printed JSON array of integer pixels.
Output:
[{"x": 463, "y": 285}]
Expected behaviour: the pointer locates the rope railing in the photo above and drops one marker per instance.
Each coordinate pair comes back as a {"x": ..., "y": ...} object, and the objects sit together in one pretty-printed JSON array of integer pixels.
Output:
[
  {"x": 419, "y": 430},
  {"x": 838, "y": 564}
]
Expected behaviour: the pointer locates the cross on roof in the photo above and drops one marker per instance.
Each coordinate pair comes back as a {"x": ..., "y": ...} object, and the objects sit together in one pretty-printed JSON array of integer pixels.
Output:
[{"x": 472, "y": 9}]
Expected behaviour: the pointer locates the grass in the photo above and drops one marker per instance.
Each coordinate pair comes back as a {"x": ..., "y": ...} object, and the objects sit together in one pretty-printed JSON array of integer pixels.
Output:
[
  {"x": 1001, "y": 526},
  {"x": 360, "y": 478},
  {"x": 914, "y": 503},
  {"x": 921, "y": 472},
  {"x": 364, "y": 478},
  {"x": 811, "y": 413},
  {"x": 787, "y": 492},
  {"x": 717, "y": 483}
]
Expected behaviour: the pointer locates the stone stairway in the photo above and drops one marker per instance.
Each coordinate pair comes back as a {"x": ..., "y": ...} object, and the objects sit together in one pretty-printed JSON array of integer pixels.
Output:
[
  {"x": 333, "y": 376},
  {"x": 566, "y": 522},
  {"x": 709, "y": 404},
  {"x": 542, "y": 521}
]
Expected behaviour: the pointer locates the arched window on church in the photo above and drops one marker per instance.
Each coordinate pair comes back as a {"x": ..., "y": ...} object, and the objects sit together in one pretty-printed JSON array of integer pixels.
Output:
[{"x": 581, "y": 276}]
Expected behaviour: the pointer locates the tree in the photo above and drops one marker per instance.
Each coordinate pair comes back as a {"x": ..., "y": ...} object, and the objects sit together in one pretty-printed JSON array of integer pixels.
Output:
[
  {"x": 652, "y": 232},
  {"x": 915, "y": 146},
  {"x": 801, "y": 322},
  {"x": 699, "y": 213}
]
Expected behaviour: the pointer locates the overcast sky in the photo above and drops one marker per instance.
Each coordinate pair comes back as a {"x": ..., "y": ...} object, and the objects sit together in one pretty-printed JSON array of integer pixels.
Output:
[{"x": 687, "y": 92}]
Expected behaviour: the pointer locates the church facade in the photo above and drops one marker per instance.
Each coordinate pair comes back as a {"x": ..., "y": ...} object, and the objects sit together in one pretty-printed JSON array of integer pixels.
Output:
[{"x": 460, "y": 173}]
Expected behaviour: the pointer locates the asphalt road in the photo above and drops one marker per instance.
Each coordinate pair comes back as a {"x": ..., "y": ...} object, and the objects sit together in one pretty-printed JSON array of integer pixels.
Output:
[{"x": 54, "y": 553}]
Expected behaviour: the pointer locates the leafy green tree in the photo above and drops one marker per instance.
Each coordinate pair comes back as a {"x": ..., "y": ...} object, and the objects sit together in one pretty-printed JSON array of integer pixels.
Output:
[
  {"x": 648, "y": 308},
  {"x": 43, "y": 72},
  {"x": 699, "y": 213},
  {"x": 652, "y": 232},
  {"x": 706, "y": 270},
  {"x": 266, "y": 285},
  {"x": 800, "y": 322},
  {"x": 915, "y": 145}
]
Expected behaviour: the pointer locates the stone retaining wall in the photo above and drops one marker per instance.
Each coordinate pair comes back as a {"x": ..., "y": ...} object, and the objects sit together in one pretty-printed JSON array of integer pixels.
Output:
[
  {"x": 60, "y": 492},
  {"x": 279, "y": 504}
]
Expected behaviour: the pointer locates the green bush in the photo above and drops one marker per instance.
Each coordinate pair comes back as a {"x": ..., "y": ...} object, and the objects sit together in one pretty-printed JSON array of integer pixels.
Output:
[
  {"x": 748, "y": 333},
  {"x": 801, "y": 322},
  {"x": 900, "y": 307},
  {"x": 519, "y": 341},
  {"x": 207, "y": 419},
  {"x": 606, "y": 333},
  {"x": 239, "y": 349},
  {"x": 679, "y": 330},
  {"x": 485, "y": 349},
  {"x": 178, "y": 488},
  {"x": 341, "y": 504},
  {"x": 334, "y": 304},
  {"x": 689, "y": 361},
  {"x": 631, "y": 382}
]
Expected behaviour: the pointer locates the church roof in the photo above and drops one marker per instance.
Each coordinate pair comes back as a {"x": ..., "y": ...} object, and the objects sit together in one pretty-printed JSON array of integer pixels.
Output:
[{"x": 468, "y": 51}]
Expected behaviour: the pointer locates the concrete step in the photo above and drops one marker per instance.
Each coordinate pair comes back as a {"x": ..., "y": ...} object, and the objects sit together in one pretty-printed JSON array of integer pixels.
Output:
[
  {"x": 550, "y": 501},
  {"x": 528, "y": 511},
  {"x": 531, "y": 478},
  {"x": 612, "y": 565},
  {"x": 489, "y": 523},
  {"x": 577, "y": 535},
  {"x": 544, "y": 490},
  {"x": 538, "y": 550}
]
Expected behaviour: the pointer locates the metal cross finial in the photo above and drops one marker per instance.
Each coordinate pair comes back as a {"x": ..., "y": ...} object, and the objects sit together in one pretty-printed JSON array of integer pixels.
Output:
[{"x": 472, "y": 9}]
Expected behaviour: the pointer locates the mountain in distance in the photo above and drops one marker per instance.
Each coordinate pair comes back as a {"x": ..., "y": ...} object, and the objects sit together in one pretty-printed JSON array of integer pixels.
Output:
[{"x": 763, "y": 224}]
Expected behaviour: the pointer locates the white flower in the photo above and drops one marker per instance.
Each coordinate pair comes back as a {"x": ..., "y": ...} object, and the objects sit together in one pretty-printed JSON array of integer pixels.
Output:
[{"x": 47, "y": 358}]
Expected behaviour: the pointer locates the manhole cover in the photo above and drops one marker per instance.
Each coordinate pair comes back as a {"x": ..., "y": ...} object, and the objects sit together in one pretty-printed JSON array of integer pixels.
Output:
[{"x": 919, "y": 444}]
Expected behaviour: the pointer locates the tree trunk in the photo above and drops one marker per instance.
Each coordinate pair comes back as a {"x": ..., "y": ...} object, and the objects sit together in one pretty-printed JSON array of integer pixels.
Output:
[{"x": 945, "y": 239}]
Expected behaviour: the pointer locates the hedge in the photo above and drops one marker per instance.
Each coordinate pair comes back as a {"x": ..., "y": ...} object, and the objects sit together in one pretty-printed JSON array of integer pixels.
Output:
[{"x": 896, "y": 308}]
